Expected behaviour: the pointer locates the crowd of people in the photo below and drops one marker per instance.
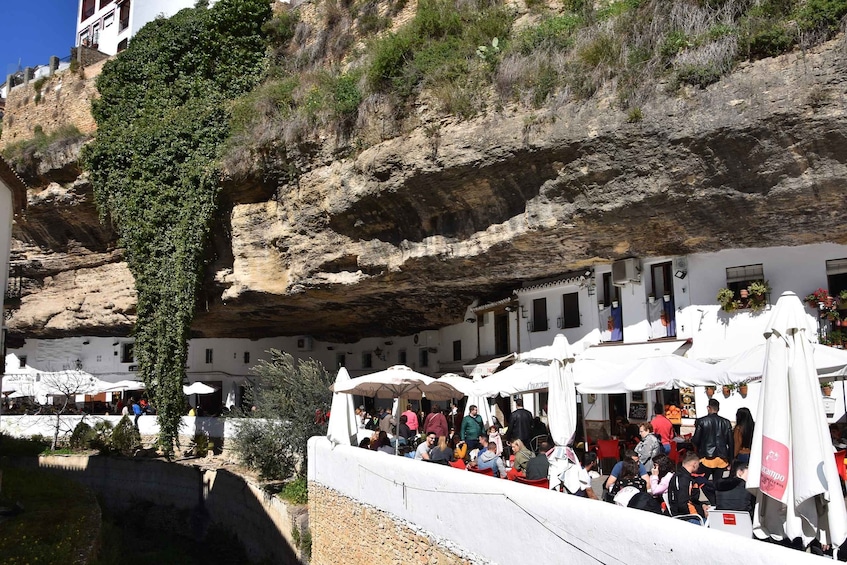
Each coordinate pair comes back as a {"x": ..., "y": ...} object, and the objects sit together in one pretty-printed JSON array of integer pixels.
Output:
[{"x": 712, "y": 472}]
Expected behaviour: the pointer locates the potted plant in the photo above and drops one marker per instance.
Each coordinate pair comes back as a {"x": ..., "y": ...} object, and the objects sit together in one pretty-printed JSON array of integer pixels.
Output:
[
  {"x": 818, "y": 298},
  {"x": 727, "y": 390},
  {"x": 758, "y": 292},
  {"x": 614, "y": 303},
  {"x": 726, "y": 298},
  {"x": 651, "y": 298},
  {"x": 742, "y": 390},
  {"x": 666, "y": 297},
  {"x": 842, "y": 299},
  {"x": 710, "y": 391},
  {"x": 826, "y": 388}
]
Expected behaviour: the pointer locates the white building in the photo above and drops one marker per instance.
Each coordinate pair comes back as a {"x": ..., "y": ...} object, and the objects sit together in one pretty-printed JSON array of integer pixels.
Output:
[
  {"x": 108, "y": 25},
  {"x": 12, "y": 200}
]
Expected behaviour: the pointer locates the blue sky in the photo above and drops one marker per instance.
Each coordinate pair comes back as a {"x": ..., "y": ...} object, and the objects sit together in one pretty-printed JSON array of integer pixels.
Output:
[{"x": 33, "y": 30}]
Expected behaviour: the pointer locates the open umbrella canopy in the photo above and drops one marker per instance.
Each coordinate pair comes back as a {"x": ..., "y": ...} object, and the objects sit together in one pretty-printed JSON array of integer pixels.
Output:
[
  {"x": 197, "y": 388},
  {"x": 342, "y": 428},
  {"x": 651, "y": 373},
  {"x": 124, "y": 385},
  {"x": 522, "y": 377},
  {"x": 749, "y": 365},
  {"x": 792, "y": 468},
  {"x": 392, "y": 382},
  {"x": 449, "y": 386}
]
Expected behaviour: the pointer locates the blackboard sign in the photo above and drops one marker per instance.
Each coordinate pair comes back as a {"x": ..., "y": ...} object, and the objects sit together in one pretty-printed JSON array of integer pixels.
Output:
[{"x": 638, "y": 411}]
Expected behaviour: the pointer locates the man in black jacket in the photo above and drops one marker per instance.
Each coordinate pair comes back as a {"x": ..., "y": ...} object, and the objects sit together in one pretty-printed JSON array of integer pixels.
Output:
[
  {"x": 520, "y": 424},
  {"x": 713, "y": 441},
  {"x": 683, "y": 494}
]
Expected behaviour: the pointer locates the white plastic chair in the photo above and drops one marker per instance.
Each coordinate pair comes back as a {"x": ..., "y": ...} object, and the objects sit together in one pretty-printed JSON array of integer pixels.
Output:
[
  {"x": 731, "y": 521},
  {"x": 686, "y": 517}
]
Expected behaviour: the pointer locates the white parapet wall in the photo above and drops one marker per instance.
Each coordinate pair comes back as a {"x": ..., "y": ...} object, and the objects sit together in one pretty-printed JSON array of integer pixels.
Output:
[{"x": 481, "y": 519}]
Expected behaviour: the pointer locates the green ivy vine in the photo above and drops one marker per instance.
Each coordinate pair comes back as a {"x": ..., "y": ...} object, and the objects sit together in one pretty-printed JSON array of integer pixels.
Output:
[{"x": 162, "y": 119}]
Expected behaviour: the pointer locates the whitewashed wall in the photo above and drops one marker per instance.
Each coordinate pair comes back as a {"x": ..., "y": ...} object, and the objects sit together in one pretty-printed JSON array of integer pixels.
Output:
[{"x": 504, "y": 522}]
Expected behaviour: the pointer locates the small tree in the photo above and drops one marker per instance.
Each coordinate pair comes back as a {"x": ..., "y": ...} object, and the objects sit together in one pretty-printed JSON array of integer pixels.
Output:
[
  {"x": 287, "y": 396},
  {"x": 65, "y": 385}
]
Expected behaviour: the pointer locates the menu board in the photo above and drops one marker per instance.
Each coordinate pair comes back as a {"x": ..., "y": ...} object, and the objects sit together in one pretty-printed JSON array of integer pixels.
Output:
[
  {"x": 637, "y": 411},
  {"x": 686, "y": 397}
]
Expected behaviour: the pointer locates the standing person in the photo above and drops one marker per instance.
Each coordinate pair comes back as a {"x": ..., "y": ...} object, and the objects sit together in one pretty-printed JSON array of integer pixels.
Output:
[
  {"x": 662, "y": 427},
  {"x": 520, "y": 423},
  {"x": 713, "y": 441},
  {"x": 136, "y": 409},
  {"x": 742, "y": 435},
  {"x": 411, "y": 419},
  {"x": 454, "y": 419},
  {"x": 649, "y": 446},
  {"x": 436, "y": 423},
  {"x": 386, "y": 421},
  {"x": 472, "y": 428},
  {"x": 494, "y": 439}
]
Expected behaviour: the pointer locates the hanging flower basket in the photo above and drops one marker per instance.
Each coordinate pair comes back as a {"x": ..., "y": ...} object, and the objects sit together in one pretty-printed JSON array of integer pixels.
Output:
[
  {"x": 742, "y": 390},
  {"x": 710, "y": 391}
]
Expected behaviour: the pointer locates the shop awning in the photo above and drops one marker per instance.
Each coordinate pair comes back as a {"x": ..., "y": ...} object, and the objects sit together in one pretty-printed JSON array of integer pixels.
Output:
[
  {"x": 629, "y": 352},
  {"x": 485, "y": 365}
]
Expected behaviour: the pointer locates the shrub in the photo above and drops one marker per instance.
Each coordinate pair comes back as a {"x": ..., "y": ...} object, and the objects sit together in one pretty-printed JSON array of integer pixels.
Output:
[
  {"x": 821, "y": 15},
  {"x": 82, "y": 436},
  {"x": 634, "y": 116},
  {"x": 296, "y": 491},
  {"x": 38, "y": 83},
  {"x": 265, "y": 447},
  {"x": 125, "y": 438}
]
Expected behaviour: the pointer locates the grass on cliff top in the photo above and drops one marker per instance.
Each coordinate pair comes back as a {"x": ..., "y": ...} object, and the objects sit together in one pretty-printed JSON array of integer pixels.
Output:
[
  {"x": 59, "y": 522},
  {"x": 22, "y": 154}
]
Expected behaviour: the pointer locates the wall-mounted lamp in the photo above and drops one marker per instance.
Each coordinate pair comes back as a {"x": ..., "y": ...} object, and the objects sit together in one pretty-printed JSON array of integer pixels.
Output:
[
  {"x": 86, "y": 342},
  {"x": 524, "y": 313},
  {"x": 329, "y": 348},
  {"x": 379, "y": 354},
  {"x": 511, "y": 308},
  {"x": 592, "y": 290},
  {"x": 115, "y": 343},
  {"x": 389, "y": 342},
  {"x": 470, "y": 320},
  {"x": 680, "y": 274}
]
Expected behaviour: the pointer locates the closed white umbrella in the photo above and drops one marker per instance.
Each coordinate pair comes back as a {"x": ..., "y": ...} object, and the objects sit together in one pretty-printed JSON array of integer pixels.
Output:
[
  {"x": 342, "y": 428},
  {"x": 792, "y": 467}
]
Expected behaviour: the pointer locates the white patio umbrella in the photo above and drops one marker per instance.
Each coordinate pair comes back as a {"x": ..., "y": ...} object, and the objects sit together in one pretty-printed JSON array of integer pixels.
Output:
[
  {"x": 652, "y": 373},
  {"x": 749, "y": 365},
  {"x": 394, "y": 382},
  {"x": 124, "y": 385},
  {"x": 522, "y": 377},
  {"x": 197, "y": 388},
  {"x": 448, "y": 386},
  {"x": 792, "y": 468},
  {"x": 342, "y": 428}
]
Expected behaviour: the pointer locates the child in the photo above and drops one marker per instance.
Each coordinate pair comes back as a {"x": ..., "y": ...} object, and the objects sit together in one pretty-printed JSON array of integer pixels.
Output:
[{"x": 494, "y": 439}]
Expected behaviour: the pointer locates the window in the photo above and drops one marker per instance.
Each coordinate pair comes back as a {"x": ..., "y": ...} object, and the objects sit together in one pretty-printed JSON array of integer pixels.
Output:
[
  {"x": 85, "y": 38},
  {"x": 610, "y": 292},
  {"x": 22, "y": 360},
  {"x": 99, "y": 358},
  {"x": 123, "y": 45},
  {"x": 340, "y": 360},
  {"x": 124, "y": 23},
  {"x": 88, "y": 7},
  {"x": 95, "y": 33},
  {"x": 457, "y": 350},
  {"x": 836, "y": 276},
  {"x": 662, "y": 278},
  {"x": 539, "y": 315},
  {"x": 501, "y": 334},
  {"x": 108, "y": 19},
  {"x": 738, "y": 278},
  {"x": 423, "y": 358},
  {"x": 401, "y": 357},
  {"x": 570, "y": 310},
  {"x": 209, "y": 356},
  {"x": 246, "y": 356},
  {"x": 367, "y": 360},
  {"x": 127, "y": 352}
]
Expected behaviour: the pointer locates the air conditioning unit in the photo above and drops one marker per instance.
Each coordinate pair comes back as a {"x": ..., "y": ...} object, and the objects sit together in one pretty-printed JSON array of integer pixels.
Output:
[
  {"x": 626, "y": 271},
  {"x": 428, "y": 338},
  {"x": 132, "y": 368},
  {"x": 304, "y": 343}
]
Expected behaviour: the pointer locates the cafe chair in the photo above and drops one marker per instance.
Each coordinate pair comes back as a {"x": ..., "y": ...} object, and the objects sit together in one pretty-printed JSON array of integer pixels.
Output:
[
  {"x": 543, "y": 482},
  {"x": 685, "y": 517},
  {"x": 676, "y": 454},
  {"x": 458, "y": 464},
  {"x": 487, "y": 471},
  {"x": 607, "y": 449},
  {"x": 731, "y": 521},
  {"x": 839, "y": 464}
]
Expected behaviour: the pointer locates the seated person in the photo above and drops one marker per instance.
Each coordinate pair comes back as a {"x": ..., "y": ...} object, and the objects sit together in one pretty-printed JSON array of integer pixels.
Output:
[
  {"x": 732, "y": 493},
  {"x": 403, "y": 431},
  {"x": 422, "y": 453},
  {"x": 383, "y": 444},
  {"x": 611, "y": 487},
  {"x": 661, "y": 475},
  {"x": 441, "y": 453},
  {"x": 837, "y": 441},
  {"x": 522, "y": 457},
  {"x": 683, "y": 494},
  {"x": 589, "y": 464},
  {"x": 539, "y": 466},
  {"x": 630, "y": 484},
  {"x": 488, "y": 459}
]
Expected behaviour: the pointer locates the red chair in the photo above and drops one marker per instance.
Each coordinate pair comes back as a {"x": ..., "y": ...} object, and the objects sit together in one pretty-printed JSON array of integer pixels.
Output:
[
  {"x": 839, "y": 463},
  {"x": 676, "y": 454},
  {"x": 687, "y": 437},
  {"x": 487, "y": 471},
  {"x": 543, "y": 482},
  {"x": 607, "y": 449},
  {"x": 458, "y": 464}
]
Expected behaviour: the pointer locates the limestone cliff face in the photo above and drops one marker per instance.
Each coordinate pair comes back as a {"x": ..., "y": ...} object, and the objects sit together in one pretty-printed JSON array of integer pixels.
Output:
[{"x": 406, "y": 234}]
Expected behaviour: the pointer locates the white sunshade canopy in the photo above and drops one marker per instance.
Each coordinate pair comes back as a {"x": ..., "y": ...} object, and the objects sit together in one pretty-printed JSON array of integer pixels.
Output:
[
  {"x": 651, "y": 373},
  {"x": 749, "y": 365},
  {"x": 392, "y": 382},
  {"x": 197, "y": 388}
]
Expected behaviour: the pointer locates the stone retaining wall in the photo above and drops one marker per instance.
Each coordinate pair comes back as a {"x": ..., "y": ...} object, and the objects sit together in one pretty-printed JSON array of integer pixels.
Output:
[{"x": 263, "y": 523}]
